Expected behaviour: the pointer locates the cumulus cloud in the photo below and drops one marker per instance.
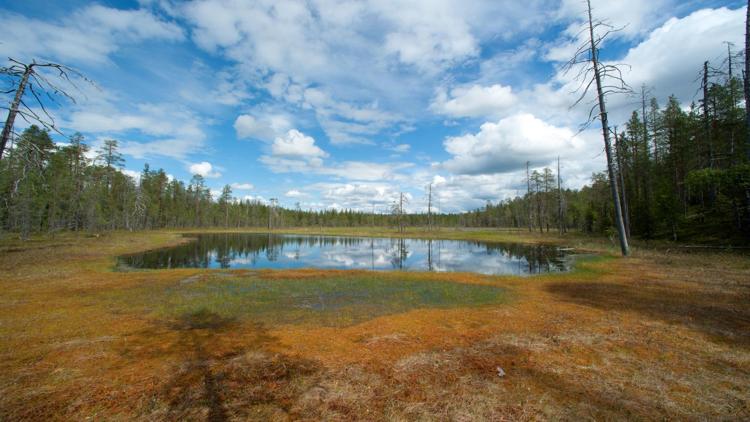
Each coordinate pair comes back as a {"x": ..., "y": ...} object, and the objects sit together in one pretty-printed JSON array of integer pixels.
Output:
[
  {"x": 297, "y": 145},
  {"x": 474, "y": 101},
  {"x": 205, "y": 169},
  {"x": 265, "y": 128},
  {"x": 507, "y": 145}
]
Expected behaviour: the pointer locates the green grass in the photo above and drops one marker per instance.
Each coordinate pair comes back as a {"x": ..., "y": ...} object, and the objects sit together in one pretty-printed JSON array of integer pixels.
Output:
[{"x": 328, "y": 301}]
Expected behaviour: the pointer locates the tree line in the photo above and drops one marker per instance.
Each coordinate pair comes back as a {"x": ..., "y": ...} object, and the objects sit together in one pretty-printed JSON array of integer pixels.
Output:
[{"x": 46, "y": 187}]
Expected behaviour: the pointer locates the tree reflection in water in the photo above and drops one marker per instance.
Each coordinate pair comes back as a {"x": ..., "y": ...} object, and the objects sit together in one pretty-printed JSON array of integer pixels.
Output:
[{"x": 248, "y": 250}]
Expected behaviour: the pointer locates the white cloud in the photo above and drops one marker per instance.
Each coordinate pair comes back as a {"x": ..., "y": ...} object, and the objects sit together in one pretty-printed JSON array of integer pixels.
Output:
[
  {"x": 506, "y": 146},
  {"x": 347, "y": 170},
  {"x": 135, "y": 175},
  {"x": 361, "y": 170},
  {"x": 89, "y": 35},
  {"x": 635, "y": 17},
  {"x": 673, "y": 54},
  {"x": 257, "y": 198},
  {"x": 242, "y": 186},
  {"x": 474, "y": 101},
  {"x": 265, "y": 128},
  {"x": 428, "y": 34},
  {"x": 359, "y": 66},
  {"x": 398, "y": 148},
  {"x": 361, "y": 196},
  {"x": 294, "y": 193},
  {"x": 176, "y": 131},
  {"x": 297, "y": 145},
  {"x": 205, "y": 169},
  {"x": 346, "y": 123}
]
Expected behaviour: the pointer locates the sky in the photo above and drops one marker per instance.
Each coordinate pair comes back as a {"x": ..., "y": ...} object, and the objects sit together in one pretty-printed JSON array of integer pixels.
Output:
[{"x": 344, "y": 104}]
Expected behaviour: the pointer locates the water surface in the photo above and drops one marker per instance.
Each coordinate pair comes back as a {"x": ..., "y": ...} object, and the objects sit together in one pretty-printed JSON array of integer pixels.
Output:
[{"x": 282, "y": 251}]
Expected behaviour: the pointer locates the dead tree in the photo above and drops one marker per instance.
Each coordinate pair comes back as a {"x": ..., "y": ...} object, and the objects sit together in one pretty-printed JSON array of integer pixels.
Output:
[
  {"x": 401, "y": 212},
  {"x": 607, "y": 78},
  {"x": 747, "y": 85},
  {"x": 429, "y": 207},
  {"x": 707, "y": 115},
  {"x": 398, "y": 209},
  {"x": 560, "y": 220},
  {"x": 28, "y": 78},
  {"x": 528, "y": 197},
  {"x": 272, "y": 204}
]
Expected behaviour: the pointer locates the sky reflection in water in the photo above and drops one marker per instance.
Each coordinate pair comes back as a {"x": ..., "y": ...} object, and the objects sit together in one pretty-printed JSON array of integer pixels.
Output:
[{"x": 280, "y": 251}]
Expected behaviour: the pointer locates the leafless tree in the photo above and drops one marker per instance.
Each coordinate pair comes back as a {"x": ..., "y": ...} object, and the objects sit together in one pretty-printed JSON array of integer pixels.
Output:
[
  {"x": 560, "y": 218},
  {"x": 528, "y": 197},
  {"x": 272, "y": 205},
  {"x": 607, "y": 79},
  {"x": 398, "y": 209},
  {"x": 747, "y": 82},
  {"x": 43, "y": 86},
  {"x": 429, "y": 207}
]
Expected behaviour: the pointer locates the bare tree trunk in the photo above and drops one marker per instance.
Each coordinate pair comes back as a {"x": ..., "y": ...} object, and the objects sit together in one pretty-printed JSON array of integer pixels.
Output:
[
  {"x": 747, "y": 82},
  {"x": 706, "y": 117},
  {"x": 605, "y": 132},
  {"x": 732, "y": 102},
  {"x": 8, "y": 128},
  {"x": 645, "y": 122},
  {"x": 401, "y": 212},
  {"x": 528, "y": 194},
  {"x": 429, "y": 208},
  {"x": 560, "y": 221}
]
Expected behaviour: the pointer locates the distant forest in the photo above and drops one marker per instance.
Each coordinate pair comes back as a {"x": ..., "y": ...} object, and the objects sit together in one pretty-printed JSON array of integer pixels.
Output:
[{"x": 683, "y": 175}]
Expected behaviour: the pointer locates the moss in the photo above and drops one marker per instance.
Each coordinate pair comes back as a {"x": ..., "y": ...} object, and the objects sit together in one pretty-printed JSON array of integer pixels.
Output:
[
  {"x": 328, "y": 300},
  {"x": 659, "y": 335}
]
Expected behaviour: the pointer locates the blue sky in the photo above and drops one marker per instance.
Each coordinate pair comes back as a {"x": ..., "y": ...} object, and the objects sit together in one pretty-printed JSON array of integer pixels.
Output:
[{"x": 334, "y": 103}]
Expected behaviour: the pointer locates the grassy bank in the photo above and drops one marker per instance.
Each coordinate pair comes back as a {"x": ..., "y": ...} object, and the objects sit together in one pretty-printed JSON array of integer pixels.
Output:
[{"x": 661, "y": 334}]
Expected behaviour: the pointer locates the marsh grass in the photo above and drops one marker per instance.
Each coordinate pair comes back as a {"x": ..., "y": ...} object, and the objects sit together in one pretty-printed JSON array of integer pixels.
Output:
[
  {"x": 331, "y": 301},
  {"x": 659, "y": 335}
]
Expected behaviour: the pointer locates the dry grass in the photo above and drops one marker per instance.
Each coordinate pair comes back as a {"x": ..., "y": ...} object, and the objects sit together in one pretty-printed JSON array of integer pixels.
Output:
[{"x": 660, "y": 335}]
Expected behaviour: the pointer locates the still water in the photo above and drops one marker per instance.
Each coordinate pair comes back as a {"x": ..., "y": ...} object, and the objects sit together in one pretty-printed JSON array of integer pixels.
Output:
[{"x": 281, "y": 251}]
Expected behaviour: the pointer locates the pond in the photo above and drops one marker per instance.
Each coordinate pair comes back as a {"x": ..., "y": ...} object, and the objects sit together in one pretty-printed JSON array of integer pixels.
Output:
[{"x": 287, "y": 251}]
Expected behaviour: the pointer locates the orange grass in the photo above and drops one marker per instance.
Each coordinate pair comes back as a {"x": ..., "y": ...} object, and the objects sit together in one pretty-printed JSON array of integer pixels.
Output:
[{"x": 660, "y": 335}]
